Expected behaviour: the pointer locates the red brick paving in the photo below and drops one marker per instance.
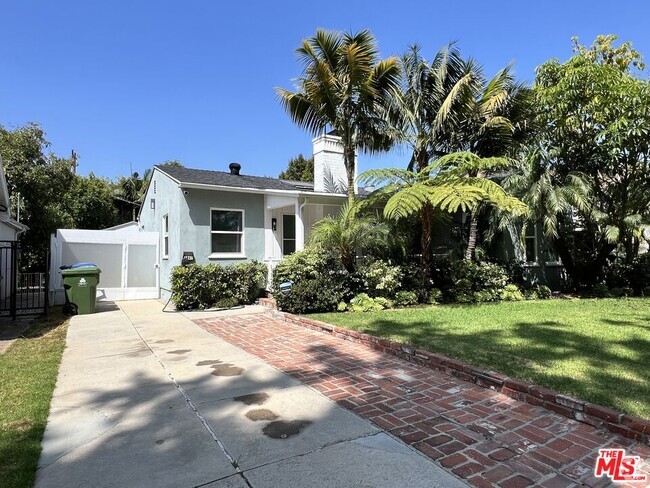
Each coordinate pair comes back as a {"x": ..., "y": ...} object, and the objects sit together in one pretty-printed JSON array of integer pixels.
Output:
[{"x": 480, "y": 435}]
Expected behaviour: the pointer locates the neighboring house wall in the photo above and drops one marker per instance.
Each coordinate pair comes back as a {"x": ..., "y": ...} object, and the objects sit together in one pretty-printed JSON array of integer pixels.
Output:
[
  {"x": 7, "y": 232},
  {"x": 540, "y": 268}
]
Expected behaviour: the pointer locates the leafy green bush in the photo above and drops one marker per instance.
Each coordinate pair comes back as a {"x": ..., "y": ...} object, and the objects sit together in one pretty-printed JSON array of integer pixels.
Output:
[
  {"x": 511, "y": 293},
  {"x": 646, "y": 291},
  {"x": 204, "y": 286},
  {"x": 623, "y": 291},
  {"x": 405, "y": 298},
  {"x": 543, "y": 292},
  {"x": 380, "y": 279},
  {"x": 635, "y": 275},
  {"x": 477, "y": 282},
  {"x": 600, "y": 290},
  {"x": 538, "y": 292},
  {"x": 435, "y": 296},
  {"x": 319, "y": 281},
  {"x": 363, "y": 303},
  {"x": 462, "y": 292}
]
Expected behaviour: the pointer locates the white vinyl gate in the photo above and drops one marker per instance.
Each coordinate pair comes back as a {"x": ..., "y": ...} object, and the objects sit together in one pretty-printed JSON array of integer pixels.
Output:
[{"x": 128, "y": 262}]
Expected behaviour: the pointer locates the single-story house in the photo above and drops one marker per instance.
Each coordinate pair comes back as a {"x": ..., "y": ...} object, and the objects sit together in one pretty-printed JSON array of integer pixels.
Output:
[{"x": 227, "y": 217}]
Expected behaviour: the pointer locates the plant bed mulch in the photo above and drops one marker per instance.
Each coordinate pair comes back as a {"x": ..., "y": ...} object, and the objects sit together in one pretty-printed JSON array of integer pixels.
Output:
[{"x": 479, "y": 434}]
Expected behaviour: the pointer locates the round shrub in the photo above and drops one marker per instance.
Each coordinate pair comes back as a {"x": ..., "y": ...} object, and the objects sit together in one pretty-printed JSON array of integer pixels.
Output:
[
  {"x": 462, "y": 292},
  {"x": 511, "y": 293},
  {"x": 363, "y": 303},
  {"x": 600, "y": 290},
  {"x": 318, "y": 282},
  {"x": 435, "y": 296},
  {"x": 405, "y": 298},
  {"x": 624, "y": 291},
  {"x": 538, "y": 292},
  {"x": 380, "y": 279},
  {"x": 543, "y": 292}
]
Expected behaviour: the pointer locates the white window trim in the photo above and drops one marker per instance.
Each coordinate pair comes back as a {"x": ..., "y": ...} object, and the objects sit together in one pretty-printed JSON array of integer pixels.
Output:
[
  {"x": 534, "y": 237},
  {"x": 228, "y": 255},
  {"x": 165, "y": 233}
]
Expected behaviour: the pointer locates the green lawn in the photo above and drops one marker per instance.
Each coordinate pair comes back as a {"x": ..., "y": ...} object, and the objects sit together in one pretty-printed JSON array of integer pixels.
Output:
[
  {"x": 28, "y": 371},
  {"x": 597, "y": 350}
]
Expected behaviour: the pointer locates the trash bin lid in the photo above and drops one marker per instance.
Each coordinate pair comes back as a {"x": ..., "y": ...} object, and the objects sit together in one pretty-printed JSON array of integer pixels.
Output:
[
  {"x": 83, "y": 265},
  {"x": 86, "y": 270}
]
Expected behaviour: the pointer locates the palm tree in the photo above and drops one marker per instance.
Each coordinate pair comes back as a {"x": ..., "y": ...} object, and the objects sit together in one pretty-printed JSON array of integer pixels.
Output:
[
  {"x": 349, "y": 232},
  {"x": 551, "y": 201},
  {"x": 445, "y": 185},
  {"x": 343, "y": 87},
  {"x": 429, "y": 102},
  {"x": 494, "y": 117}
]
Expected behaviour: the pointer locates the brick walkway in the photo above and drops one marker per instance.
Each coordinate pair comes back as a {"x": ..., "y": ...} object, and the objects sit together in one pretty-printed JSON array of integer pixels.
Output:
[{"x": 482, "y": 436}]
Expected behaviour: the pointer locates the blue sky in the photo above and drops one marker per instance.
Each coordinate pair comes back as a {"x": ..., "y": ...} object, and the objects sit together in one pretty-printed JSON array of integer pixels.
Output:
[{"x": 130, "y": 84}]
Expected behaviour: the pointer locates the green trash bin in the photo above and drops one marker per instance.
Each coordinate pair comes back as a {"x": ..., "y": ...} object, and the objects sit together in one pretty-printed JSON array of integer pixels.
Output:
[{"x": 81, "y": 288}]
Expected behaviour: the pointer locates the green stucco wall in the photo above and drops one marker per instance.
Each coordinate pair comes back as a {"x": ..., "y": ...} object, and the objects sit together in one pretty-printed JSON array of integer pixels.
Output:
[
  {"x": 195, "y": 223},
  {"x": 167, "y": 195},
  {"x": 189, "y": 222}
]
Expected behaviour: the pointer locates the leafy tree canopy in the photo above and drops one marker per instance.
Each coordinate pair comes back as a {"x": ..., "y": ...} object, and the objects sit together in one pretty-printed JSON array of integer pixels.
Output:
[
  {"x": 46, "y": 192},
  {"x": 299, "y": 169},
  {"x": 593, "y": 115}
]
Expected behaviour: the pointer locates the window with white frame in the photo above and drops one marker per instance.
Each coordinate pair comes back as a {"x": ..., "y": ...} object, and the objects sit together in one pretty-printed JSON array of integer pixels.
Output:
[
  {"x": 165, "y": 236},
  {"x": 227, "y": 231},
  {"x": 531, "y": 244}
]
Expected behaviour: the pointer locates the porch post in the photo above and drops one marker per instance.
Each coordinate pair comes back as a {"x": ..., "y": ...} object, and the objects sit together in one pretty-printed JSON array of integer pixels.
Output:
[
  {"x": 269, "y": 239},
  {"x": 300, "y": 227}
]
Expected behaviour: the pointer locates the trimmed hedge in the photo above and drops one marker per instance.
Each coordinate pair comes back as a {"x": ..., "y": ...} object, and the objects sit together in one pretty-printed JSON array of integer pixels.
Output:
[{"x": 204, "y": 286}]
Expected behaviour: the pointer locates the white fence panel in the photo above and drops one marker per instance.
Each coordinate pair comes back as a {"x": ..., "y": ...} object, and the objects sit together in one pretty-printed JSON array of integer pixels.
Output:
[{"x": 128, "y": 261}]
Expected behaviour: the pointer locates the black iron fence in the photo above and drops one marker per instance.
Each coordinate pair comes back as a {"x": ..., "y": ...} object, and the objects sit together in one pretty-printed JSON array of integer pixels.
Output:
[{"x": 21, "y": 293}]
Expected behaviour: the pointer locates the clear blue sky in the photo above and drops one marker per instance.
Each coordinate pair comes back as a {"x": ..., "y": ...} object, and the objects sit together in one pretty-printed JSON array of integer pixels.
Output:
[{"x": 140, "y": 82}]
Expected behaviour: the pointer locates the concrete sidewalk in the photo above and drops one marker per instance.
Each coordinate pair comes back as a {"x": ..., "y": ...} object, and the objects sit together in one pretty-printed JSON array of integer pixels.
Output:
[{"x": 146, "y": 398}]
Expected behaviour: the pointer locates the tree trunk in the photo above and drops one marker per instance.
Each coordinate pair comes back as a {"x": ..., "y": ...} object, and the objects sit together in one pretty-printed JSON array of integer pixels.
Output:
[
  {"x": 425, "y": 215},
  {"x": 470, "y": 253},
  {"x": 350, "y": 164}
]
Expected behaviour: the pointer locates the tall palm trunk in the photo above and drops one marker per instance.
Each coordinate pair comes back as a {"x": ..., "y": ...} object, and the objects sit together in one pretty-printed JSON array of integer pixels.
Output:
[
  {"x": 349, "y": 162},
  {"x": 425, "y": 215},
  {"x": 470, "y": 253}
]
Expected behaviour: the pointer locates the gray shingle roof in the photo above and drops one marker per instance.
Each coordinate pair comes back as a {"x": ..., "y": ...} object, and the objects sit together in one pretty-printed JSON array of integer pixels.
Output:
[{"x": 222, "y": 178}]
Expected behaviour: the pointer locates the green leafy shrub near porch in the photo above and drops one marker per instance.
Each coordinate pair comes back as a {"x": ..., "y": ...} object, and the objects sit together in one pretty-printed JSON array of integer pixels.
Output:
[
  {"x": 477, "y": 282},
  {"x": 319, "y": 281},
  {"x": 380, "y": 278},
  {"x": 205, "y": 286}
]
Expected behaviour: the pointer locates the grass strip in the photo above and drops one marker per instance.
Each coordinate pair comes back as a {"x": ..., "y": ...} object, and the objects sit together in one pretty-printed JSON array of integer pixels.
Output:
[{"x": 28, "y": 371}]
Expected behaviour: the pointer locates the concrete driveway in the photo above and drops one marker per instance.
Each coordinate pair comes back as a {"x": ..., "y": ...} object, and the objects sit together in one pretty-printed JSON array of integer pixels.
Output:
[{"x": 146, "y": 398}]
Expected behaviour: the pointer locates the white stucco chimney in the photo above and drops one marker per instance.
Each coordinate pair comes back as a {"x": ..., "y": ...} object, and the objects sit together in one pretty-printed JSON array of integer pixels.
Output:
[{"x": 330, "y": 175}]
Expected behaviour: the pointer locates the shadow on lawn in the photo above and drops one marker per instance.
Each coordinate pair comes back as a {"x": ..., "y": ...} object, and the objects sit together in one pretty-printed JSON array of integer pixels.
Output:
[{"x": 613, "y": 373}]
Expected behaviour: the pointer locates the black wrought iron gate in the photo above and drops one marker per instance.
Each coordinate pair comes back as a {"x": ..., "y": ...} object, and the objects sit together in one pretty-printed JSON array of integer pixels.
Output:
[{"x": 21, "y": 293}]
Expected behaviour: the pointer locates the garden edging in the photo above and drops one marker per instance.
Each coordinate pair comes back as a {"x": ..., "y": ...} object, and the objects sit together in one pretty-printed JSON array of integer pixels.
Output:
[{"x": 580, "y": 410}]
